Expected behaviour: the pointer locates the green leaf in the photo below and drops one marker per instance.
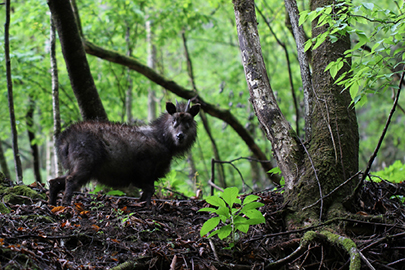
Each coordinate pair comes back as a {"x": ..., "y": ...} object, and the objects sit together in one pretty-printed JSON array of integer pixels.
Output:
[
  {"x": 368, "y": 6},
  {"x": 223, "y": 211},
  {"x": 216, "y": 201},
  {"x": 250, "y": 198},
  {"x": 209, "y": 225},
  {"x": 243, "y": 227},
  {"x": 308, "y": 45},
  {"x": 275, "y": 170},
  {"x": 255, "y": 214},
  {"x": 320, "y": 39},
  {"x": 230, "y": 195},
  {"x": 303, "y": 17},
  {"x": 252, "y": 205},
  {"x": 207, "y": 209},
  {"x": 224, "y": 232}
]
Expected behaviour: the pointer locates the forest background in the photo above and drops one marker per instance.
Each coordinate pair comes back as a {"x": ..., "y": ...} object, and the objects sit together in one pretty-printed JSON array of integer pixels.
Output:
[{"x": 169, "y": 36}]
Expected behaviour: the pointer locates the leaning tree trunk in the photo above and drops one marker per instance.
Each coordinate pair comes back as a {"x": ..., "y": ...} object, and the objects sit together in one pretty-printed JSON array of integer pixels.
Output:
[
  {"x": 76, "y": 62},
  {"x": 284, "y": 140},
  {"x": 323, "y": 163}
]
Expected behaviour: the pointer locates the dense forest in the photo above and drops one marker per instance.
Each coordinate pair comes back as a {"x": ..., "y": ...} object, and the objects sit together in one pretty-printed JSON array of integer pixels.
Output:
[{"x": 300, "y": 110}]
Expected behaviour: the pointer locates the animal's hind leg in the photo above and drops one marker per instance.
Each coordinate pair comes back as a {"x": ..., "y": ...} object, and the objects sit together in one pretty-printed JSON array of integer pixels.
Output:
[
  {"x": 56, "y": 185},
  {"x": 147, "y": 193},
  {"x": 74, "y": 181}
]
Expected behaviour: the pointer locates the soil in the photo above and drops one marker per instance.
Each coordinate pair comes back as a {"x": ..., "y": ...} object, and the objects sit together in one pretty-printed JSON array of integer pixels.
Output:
[{"x": 105, "y": 232}]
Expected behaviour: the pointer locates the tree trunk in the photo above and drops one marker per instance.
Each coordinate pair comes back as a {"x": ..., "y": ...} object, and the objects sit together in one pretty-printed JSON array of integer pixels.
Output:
[
  {"x": 151, "y": 64},
  {"x": 55, "y": 99},
  {"x": 314, "y": 169},
  {"x": 334, "y": 143},
  {"x": 29, "y": 118},
  {"x": 3, "y": 162},
  {"x": 14, "y": 135},
  {"x": 128, "y": 96},
  {"x": 76, "y": 62},
  {"x": 285, "y": 142}
]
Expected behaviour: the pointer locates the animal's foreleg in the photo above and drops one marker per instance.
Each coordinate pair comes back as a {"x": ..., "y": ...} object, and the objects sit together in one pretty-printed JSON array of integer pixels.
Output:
[
  {"x": 55, "y": 186},
  {"x": 73, "y": 182}
]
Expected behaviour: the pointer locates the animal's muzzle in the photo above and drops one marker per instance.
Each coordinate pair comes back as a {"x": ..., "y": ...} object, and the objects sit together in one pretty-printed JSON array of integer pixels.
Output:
[{"x": 180, "y": 137}]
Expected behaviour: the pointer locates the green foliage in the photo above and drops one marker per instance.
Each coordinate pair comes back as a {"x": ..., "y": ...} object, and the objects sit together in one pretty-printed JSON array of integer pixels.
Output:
[
  {"x": 107, "y": 190},
  {"x": 277, "y": 170},
  {"x": 378, "y": 52},
  {"x": 234, "y": 218},
  {"x": 394, "y": 173},
  {"x": 213, "y": 45}
]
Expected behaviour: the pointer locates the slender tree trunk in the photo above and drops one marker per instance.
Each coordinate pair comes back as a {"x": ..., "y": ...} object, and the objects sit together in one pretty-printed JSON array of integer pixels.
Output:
[
  {"x": 128, "y": 96},
  {"x": 55, "y": 100},
  {"x": 29, "y": 118},
  {"x": 3, "y": 162},
  {"x": 14, "y": 135},
  {"x": 151, "y": 64},
  {"x": 76, "y": 62},
  {"x": 220, "y": 167},
  {"x": 284, "y": 140}
]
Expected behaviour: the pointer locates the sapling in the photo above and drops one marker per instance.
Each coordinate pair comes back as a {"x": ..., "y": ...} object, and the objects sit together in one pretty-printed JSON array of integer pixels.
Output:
[{"x": 234, "y": 218}]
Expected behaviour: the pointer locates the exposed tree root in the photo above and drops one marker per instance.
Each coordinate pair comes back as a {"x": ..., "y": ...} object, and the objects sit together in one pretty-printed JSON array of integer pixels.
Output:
[{"x": 323, "y": 237}]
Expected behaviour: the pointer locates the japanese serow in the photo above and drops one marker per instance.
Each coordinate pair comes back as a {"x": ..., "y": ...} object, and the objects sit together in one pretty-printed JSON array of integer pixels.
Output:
[{"x": 119, "y": 155}]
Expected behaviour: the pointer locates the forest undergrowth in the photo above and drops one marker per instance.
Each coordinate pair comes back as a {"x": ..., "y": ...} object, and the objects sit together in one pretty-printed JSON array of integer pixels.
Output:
[{"x": 104, "y": 232}]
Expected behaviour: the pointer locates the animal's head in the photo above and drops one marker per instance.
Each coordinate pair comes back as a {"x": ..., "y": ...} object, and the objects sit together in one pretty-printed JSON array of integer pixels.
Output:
[{"x": 182, "y": 126}]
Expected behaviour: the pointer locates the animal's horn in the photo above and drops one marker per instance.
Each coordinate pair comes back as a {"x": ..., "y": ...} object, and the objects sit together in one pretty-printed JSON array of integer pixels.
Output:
[{"x": 188, "y": 105}]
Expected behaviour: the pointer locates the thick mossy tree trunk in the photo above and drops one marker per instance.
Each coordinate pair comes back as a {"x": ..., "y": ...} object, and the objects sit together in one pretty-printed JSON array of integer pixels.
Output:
[
  {"x": 313, "y": 168},
  {"x": 333, "y": 148}
]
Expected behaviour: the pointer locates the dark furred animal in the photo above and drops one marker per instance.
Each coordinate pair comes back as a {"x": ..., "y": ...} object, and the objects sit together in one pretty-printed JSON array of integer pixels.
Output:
[{"x": 118, "y": 154}]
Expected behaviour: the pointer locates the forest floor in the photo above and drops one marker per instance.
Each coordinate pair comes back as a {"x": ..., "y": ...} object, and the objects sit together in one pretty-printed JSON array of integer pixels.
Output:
[{"x": 104, "y": 232}]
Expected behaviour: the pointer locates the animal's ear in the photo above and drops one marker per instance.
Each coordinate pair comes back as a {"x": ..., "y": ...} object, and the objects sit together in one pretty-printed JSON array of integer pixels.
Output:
[
  {"x": 170, "y": 108},
  {"x": 194, "y": 109}
]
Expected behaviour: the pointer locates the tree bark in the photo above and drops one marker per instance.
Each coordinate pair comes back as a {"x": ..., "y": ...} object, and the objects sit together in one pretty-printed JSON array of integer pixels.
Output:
[
  {"x": 334, "y": 144},
  {"x": 55, "y": 99},
  {"x": 299, "y": 35},
  {"x": 324, "y": 162},
  {"x": 76, "y": 62},
  {"x": 151, "y": 64},
  {"x": 3, "y": 162},
  {"x": 172, "y": 86},
  {"x": 128, "y": 96},
  {"x": 285, "y": 143}
]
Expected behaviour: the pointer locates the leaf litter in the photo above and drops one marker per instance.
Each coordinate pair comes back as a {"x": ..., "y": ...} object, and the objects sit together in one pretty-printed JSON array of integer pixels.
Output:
[{"x": 106, "y": 232}]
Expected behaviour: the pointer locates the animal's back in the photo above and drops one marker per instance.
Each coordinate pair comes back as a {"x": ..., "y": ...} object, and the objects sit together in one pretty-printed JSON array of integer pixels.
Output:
[{"x": 117, "y": 154}]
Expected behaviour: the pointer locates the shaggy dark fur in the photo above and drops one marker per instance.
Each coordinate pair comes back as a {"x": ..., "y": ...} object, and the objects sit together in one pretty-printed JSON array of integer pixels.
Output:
[{"x": 118, "y": 154}]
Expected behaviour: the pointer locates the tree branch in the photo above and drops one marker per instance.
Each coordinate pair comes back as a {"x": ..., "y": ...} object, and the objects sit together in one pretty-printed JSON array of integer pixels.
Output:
[{"x": 299, "y": 35}]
